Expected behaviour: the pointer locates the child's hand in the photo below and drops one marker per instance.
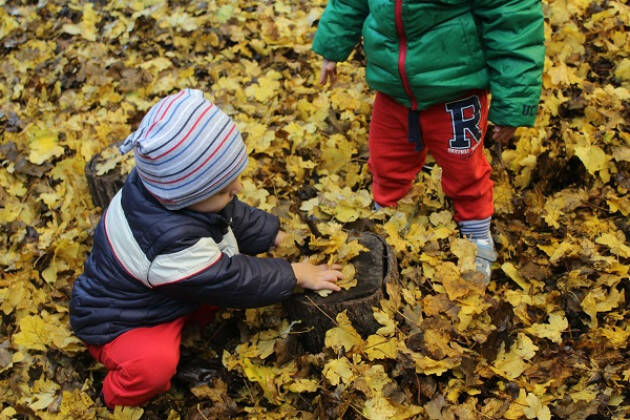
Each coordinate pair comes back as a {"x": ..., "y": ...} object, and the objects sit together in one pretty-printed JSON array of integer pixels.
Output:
[
  {"x": 317, "y": 277},
  {"x": 329, "y": 71},
  {"x": 502, "y": 133},
  {"x": 281, "y": 236}
]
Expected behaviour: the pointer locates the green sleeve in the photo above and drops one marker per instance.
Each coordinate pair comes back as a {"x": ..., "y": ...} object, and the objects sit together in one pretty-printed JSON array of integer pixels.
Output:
[
  {"x": 339, "y": 29},
  {"x": 514, "y": 42}
]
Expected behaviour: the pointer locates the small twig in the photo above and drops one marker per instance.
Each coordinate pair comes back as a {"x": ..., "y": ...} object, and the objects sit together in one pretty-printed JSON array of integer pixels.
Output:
[
  {"x": 249, "y": 391},
  {"x": 357, "y": 410},
  {"x": 404, "y": 316},
  {"x": 321, "y": 310},
  {"x": 309, "y": 329},
  {"x": 200, "y": 413},
  {"x": 485, "y": 415},
  {"x": 377, "y": 344},
  {"x": 419, "y": 394},
  {"x": 216, "y": 332},
  {"x": 597, "y": 207}
]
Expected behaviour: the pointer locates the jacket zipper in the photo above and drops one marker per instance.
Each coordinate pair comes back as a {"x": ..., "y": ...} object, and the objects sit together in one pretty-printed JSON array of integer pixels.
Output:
[{"x": 402, "y": 55}]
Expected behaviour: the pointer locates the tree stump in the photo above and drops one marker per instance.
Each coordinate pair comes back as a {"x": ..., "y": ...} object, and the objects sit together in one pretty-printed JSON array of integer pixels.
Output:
[
  {"x": 317, "y": 313},
  {"x": 103, "y": 187}
]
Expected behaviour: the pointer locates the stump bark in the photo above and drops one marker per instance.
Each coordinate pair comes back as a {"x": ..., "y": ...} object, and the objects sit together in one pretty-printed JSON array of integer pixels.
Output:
[
  {"x": 317, "y": 314},
  {"x": 103, "y": 187}
]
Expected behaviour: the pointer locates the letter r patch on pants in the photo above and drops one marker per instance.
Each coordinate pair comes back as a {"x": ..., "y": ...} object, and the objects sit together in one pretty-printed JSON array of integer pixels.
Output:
[{"x": 465, "y": 121}]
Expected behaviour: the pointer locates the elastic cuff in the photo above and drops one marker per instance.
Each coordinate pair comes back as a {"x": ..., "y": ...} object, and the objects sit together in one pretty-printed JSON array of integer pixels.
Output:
[{"x": 476, "y": 229}]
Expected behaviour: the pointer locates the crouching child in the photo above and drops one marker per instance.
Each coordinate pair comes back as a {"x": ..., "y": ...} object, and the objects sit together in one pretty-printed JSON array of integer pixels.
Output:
[{"x": 174, "y": 243}]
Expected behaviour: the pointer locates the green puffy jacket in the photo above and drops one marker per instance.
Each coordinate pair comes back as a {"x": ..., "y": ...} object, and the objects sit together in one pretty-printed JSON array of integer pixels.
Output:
[{"x": 424, "y": 52}]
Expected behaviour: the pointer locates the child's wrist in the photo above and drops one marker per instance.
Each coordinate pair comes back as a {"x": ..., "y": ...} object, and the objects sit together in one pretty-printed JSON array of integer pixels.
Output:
[{"x": 297, "y": 272}]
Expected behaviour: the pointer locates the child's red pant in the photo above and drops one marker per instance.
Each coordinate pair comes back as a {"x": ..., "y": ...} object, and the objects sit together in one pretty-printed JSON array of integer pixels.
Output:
[
  {"x": 142, "y": 361},
  {"x": 453, "y": 132}
]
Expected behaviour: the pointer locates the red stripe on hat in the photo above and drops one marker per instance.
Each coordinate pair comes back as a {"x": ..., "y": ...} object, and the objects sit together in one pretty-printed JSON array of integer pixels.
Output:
[
  {"x": 164, "y": 113},
  {"x": 155, "y": 181},
  {"x": 183, "y": 138}
]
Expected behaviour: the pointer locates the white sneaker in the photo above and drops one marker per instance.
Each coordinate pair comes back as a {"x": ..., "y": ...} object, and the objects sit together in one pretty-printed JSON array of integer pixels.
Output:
[{"x": 486, "y": 255}]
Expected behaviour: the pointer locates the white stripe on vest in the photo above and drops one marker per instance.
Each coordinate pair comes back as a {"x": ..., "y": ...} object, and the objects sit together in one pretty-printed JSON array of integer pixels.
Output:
[{"x": 166, "y": 268}]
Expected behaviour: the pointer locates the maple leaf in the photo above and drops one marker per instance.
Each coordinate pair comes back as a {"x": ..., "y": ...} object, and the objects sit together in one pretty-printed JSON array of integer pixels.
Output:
[
  {"x": 76, "y": 404},
  {"x": 595, "y": 160},
  {"x": 43, "y": 145},
  {"x": 127, "y": 413},
  {"x": 598, "y": 300},
  {"x": 511, "y": 364},
  {"x": 616, "y": 335},
  {"x": 551, "y": 330},
  {"x": 343, "y": 336},
  {"x": 379, "y": 347},
  {"x": 466, "y": 252},
  {"x": 265, "y": 88},
  {"x": 381, "y": 408},
  {"x": 388, "y": 324},
  {"x": 535, "y": 409},
  {"x": 33, "y": 333},
  {"x": 338, "y": 371},
  {"x": 303, "y": 385},
  {"x": 43, "y": 394},
  {"x": 265, "y": 377},
  {"x": 89, "y": 21},
  {"x": 456, "y": 287},
  {"x": 616, "y": 245}
]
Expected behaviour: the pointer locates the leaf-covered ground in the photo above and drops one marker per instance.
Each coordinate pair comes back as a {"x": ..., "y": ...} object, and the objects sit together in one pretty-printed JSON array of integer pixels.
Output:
[{"x": 547, "y": 339}]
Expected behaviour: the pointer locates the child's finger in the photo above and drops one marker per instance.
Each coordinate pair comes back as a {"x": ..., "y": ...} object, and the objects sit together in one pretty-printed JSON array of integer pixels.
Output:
[
  {"x": 334, "y": 287},
  {"x": 322, "y": 77},
  {"x": 333, "y": 275},
  {"x": 331, "y": 286}
]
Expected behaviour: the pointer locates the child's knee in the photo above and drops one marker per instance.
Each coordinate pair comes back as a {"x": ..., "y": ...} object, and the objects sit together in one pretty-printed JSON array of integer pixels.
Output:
[
  {"x": 154, "y": 371},
  {"x": 161, "y": 368}
]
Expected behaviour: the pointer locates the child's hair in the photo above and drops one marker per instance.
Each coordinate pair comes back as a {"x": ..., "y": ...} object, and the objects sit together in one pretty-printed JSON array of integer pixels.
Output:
[{"x": 186, "y": 149}]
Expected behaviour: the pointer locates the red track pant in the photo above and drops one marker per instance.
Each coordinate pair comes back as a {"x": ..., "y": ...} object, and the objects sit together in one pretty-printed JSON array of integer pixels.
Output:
[
  {"x": 142, "y": 361},
  {"x": 453, "y": 132}
]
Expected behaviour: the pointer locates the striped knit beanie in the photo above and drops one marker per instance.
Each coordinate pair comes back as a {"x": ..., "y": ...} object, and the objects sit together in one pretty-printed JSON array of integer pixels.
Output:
[{"x": 186, "y": 149}]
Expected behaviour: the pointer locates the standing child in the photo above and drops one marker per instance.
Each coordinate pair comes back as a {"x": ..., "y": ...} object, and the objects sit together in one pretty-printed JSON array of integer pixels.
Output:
[
  {"x": 432, "y": 64},
  {"x": 174, "y": 240}
]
